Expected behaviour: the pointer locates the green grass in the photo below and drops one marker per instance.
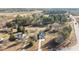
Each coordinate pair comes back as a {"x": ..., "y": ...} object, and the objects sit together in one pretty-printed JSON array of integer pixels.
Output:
[{"x": 4, "y": 36}]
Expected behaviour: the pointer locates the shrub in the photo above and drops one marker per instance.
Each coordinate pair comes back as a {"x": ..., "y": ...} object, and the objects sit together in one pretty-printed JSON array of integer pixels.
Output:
[
  {"x": 66, "y": 31},
  {"x": 12, "y": 38}
]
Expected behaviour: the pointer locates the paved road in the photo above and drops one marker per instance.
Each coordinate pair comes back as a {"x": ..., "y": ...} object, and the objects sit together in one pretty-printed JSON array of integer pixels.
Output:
[{"x": 76, "y": 27}]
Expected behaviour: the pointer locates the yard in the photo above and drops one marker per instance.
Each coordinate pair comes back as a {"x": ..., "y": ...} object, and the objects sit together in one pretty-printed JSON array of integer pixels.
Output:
[{"x": 4, "y": 36}]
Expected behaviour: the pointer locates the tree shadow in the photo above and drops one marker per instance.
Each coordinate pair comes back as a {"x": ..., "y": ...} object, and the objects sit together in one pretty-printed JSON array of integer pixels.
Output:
[
  {"x": 11, "y": 46},
  {"x": 51, "y": 44}
]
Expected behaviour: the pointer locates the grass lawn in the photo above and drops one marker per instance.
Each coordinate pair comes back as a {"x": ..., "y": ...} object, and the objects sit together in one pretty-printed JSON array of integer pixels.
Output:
[{"x": 5, "y": 36}]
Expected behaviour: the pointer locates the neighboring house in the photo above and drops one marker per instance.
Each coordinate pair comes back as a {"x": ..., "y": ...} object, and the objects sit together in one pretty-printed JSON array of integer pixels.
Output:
[
  {"x": 46, "y": 15},
  {"x": 1, "y": 40},
  {"x": 24, "y": 36},
  {"x": 20, "y": 36},
  {"x": 4, "y": 30}
]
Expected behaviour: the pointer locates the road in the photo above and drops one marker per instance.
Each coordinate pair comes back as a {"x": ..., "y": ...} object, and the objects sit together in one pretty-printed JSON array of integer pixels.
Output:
[{"x": 76, "y": 28}]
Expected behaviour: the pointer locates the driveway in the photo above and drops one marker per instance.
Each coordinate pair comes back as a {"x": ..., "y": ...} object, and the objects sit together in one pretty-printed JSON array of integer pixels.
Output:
[{"x": 76, "y": 28}]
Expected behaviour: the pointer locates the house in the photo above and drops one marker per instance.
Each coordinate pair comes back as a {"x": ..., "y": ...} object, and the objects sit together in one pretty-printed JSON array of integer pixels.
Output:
[
  {"x": 46, "y": 15},
  {"x": 1, "y": 40},
  {"x": 41, "y": 35},
  {"x": 20, "y": 36},
  {"x": 24, "y": 36}
]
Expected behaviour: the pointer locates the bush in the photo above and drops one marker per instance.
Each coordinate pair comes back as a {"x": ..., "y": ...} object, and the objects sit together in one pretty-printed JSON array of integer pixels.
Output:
[
  {"x": 12, "y": 38},
  {"x": 29, "y": 45},
  {"x": 21, "y": 29},
  {"x": 66, "y": 31}
]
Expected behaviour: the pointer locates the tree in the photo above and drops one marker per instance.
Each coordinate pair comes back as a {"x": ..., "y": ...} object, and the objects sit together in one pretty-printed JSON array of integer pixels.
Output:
[
  {"x": 12, "y": 37},
  {"x": 20, "y": 29},
  {"x": 66, "y": 31}
]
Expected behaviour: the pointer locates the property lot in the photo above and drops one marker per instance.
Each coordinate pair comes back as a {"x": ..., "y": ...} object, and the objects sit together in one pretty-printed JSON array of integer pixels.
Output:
[{"x": 21, "y": 31}]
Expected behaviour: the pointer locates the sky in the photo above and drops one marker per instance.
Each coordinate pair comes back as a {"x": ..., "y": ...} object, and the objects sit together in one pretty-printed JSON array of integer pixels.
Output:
[{"x": 39, "y": 3}]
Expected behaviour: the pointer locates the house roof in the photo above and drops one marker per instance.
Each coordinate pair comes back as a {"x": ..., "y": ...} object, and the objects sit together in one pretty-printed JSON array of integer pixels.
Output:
[{"x": 41, "y": 35}]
